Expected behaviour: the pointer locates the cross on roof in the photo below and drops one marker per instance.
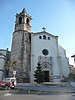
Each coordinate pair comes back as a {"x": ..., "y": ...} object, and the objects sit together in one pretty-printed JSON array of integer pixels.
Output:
[{"x": 44, "y": 29}]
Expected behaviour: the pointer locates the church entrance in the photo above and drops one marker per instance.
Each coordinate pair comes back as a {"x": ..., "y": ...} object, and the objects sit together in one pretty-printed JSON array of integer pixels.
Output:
[{"x": 46, "y": 76}]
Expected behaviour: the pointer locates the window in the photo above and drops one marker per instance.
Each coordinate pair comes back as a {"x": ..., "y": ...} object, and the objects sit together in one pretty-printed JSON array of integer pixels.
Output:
[
  {"x": 57, "y": 77},
  {"x": 40, "y": 37},
  {"x": 45, "y": 52},
  {"x": 48, "y": 38},
  {"x": 44, "y": 36},
  {"x": 27, "y": 21},
  {"x": 20, "y": 20}
]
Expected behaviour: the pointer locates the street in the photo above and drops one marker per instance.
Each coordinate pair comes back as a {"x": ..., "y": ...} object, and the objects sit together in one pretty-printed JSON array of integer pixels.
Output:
[
  {"x": 6, "y": 95},
  {"x": 67, "y": 88}
]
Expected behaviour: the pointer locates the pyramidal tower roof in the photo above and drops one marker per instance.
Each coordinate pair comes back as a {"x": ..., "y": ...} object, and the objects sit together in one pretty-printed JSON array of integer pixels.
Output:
[{"x": 24, "y": 12}]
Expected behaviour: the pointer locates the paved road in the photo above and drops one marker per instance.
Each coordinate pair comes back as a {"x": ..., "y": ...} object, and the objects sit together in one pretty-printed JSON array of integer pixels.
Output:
[
  {"x": 5, "y": 95},
  {"x": 47, "y": 88}
]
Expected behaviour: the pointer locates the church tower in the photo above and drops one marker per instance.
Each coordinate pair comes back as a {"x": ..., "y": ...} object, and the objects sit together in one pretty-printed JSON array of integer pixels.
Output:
[
  {"x": 21, "y": 47},
  {"x": 23, "y": 21}
]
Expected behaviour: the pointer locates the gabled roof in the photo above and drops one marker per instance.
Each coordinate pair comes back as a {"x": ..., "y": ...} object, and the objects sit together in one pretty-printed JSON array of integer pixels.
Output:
[{"x": 44, "y": 32}]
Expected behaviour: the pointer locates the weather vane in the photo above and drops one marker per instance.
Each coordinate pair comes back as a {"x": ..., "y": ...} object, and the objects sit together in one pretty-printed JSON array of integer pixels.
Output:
[{"x": 44, "y": 29}]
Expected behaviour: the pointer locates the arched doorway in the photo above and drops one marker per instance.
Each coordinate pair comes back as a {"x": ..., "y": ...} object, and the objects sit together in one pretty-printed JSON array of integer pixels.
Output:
[
  {"x": 46, "y": 76},
  {"x": 48, "y": 71}
]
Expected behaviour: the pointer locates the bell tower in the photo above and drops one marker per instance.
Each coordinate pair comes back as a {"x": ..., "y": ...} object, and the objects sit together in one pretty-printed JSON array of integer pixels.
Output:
[
  {"x": 21, "y": 47},
  {"x": 23, "y": 21}
]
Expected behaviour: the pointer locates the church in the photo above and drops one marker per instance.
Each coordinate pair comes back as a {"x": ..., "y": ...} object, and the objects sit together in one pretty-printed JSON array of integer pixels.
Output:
[{"x": 30, "y": 48}]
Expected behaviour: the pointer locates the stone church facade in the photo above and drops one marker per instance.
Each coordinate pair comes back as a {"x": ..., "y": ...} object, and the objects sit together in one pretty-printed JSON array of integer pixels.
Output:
[{"x": 29, "y": 48}]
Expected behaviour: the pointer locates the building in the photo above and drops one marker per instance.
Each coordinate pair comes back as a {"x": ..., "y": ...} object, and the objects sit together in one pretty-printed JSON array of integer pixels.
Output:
[
  {"x": 29, "y": 48},
  {"x": 73, "y": 56},
  {"x": 4, "y": 58},
  {"x": 71, "y": 69}
]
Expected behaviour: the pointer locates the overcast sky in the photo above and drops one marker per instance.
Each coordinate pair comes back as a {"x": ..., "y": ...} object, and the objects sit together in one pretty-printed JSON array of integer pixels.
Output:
[{"x": 58, "y": 16}]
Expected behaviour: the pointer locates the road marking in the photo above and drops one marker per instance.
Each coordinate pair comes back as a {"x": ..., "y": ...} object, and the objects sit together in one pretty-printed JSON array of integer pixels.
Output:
[{"x": 7, "y": 94}]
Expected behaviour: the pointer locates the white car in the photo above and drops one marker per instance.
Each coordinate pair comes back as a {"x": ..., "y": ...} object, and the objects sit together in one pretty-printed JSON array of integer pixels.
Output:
[{"x": 8, "y": 83}]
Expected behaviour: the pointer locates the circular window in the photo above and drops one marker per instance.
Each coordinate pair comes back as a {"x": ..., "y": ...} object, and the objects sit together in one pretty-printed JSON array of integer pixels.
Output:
[{"x": 45, "y": 52}]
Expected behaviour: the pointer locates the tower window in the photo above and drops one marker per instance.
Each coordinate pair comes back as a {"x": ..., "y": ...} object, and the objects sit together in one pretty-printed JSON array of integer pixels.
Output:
[
  {"x": 20, "y": 20},
  {"x": 27, "y": 21},
  {"x": 44, "y": 36},
  {"x": 48, "y": 38},
  {"x": 40, "y": 37}
]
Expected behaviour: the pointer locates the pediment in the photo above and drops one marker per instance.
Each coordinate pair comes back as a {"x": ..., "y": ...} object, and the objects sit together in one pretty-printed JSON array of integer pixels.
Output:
[{"x": 44, "y": 33}]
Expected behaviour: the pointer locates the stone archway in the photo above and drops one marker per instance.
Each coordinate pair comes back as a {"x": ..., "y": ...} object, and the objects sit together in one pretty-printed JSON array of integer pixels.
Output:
[{"x": 48, "y": 71}]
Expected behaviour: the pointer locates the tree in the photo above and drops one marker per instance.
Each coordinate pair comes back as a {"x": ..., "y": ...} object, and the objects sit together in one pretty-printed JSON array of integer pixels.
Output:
[
  {"x": 14, "y": 64},
  {"x": 38, "y": 74},
  {"x": 71, "y": 77},
  {"x": 8, "y": 65}
]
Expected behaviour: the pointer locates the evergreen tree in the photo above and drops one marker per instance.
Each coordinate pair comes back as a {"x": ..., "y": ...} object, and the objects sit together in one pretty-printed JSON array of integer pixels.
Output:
[
  {"x": 71, "y": 77},
  {"x": 39, "y": 75}
]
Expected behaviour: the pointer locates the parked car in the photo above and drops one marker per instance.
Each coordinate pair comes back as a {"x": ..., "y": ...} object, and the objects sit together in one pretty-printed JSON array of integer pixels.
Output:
[
  {"x": 0, "y": 83},
  {"x": 8, "y": 83}
]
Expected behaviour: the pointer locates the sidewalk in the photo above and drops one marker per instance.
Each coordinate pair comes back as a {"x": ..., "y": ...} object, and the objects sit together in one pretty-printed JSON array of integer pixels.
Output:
[{"x": 45, "y": 88}]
